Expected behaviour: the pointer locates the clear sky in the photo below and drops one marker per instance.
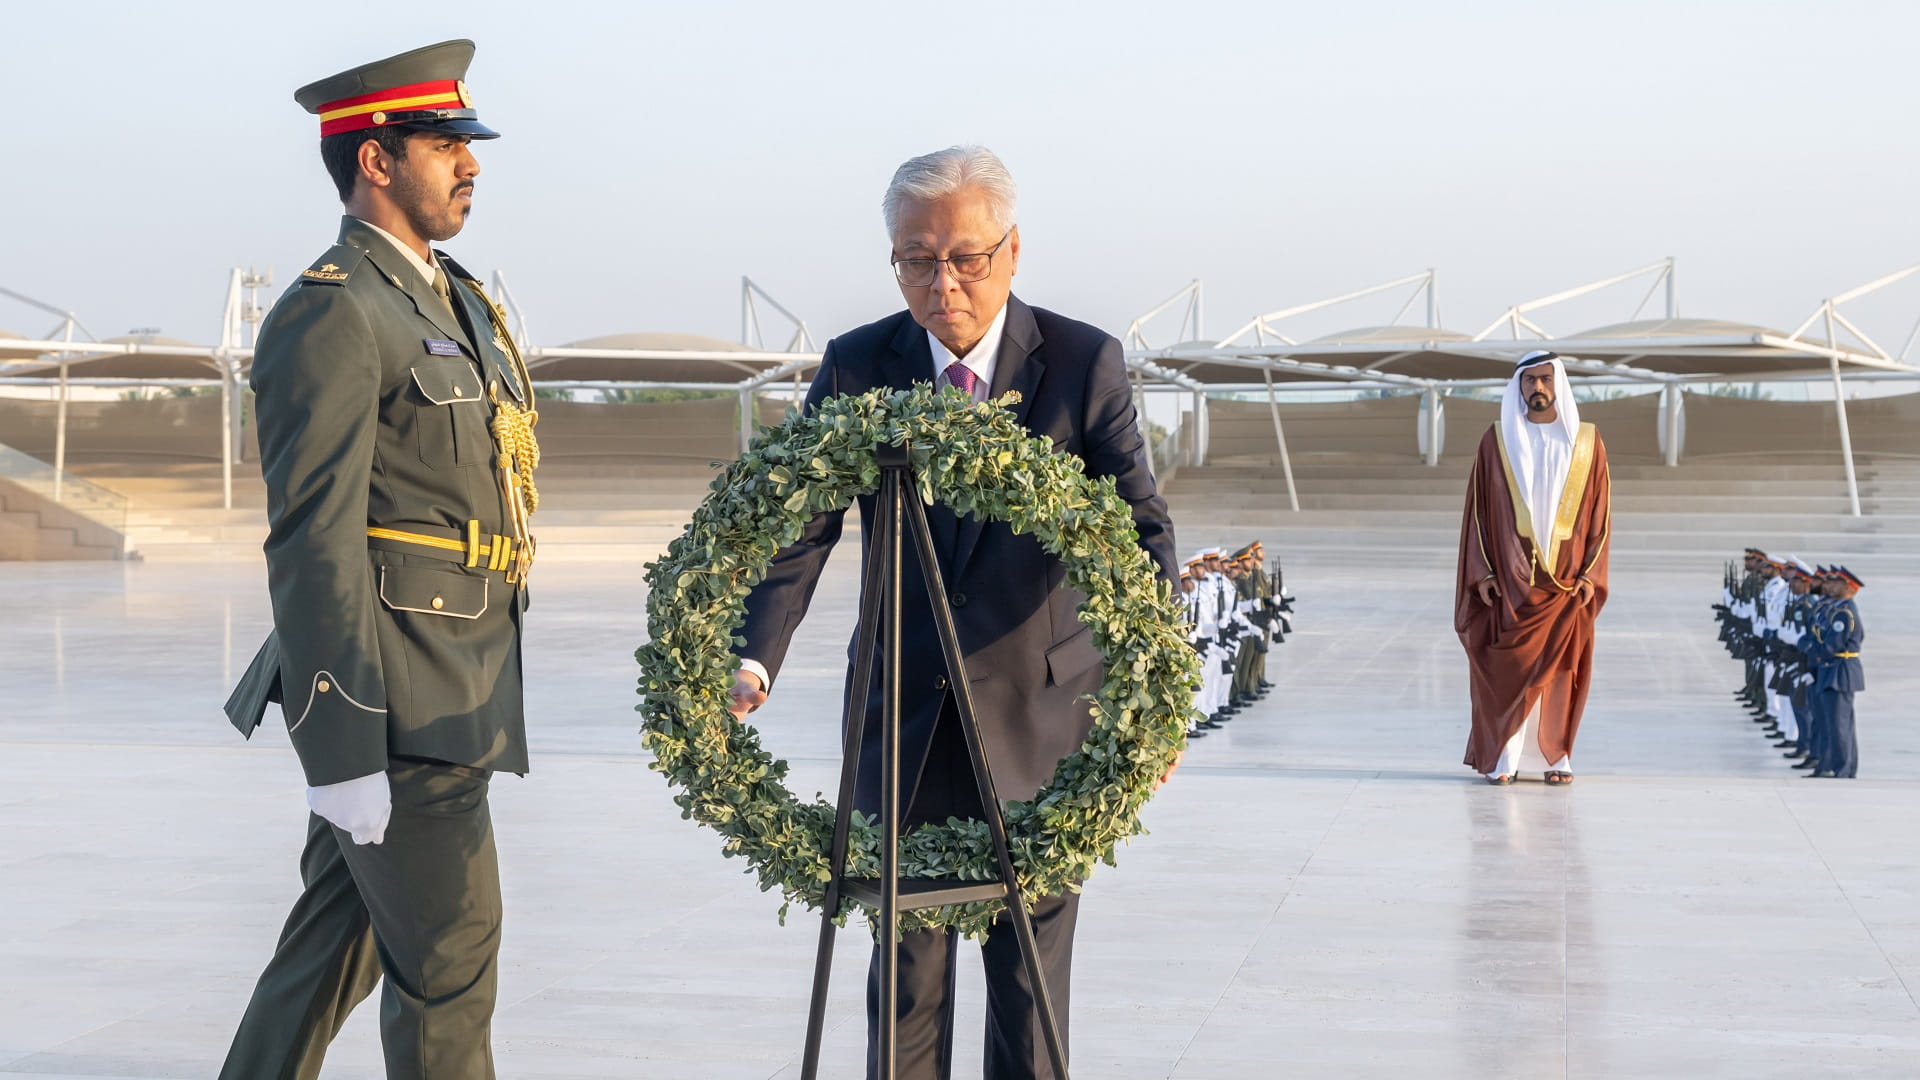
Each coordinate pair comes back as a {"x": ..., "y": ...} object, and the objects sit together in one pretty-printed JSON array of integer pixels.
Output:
[{"x": 655, "y": 152}]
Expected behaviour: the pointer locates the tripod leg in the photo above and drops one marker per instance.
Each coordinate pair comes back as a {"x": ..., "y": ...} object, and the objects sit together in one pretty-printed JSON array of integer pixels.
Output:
[
  {"x": 983, "y": 777},
  {"x": 865, "y": 637},
  {"x": 887, "y": 1043}
]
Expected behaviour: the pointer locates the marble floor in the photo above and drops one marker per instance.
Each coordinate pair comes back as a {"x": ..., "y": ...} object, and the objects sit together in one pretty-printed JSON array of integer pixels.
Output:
[{"x": 1325, "y": 891}]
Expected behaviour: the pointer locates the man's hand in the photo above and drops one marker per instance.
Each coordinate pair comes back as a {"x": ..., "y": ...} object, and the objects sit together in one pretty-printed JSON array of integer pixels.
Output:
[
  {"x": 360, "y": 807},
  {"x": 1168, "y": 775},
  {"x": 1487, "y": 591},
  {"x": 748, "y": 694},
  {"x": 1583, "y": 592}
]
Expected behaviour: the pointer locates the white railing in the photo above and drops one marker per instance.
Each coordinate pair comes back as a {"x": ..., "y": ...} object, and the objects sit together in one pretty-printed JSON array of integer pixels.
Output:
[{"x": 89, "y": 500}]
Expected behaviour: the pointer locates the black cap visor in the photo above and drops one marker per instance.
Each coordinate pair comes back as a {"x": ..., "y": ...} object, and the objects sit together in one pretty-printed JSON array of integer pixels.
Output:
[{"x": 451, "y": 121}]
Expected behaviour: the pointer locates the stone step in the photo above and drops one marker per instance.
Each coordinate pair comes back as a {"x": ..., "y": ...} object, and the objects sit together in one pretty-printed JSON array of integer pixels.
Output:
[
  {"x": 1449, "y": 518},
  {"x": 1819, "y": 547},
  {"x": 1383, "y": 491},
  {"x": 230, "y": 552},
  {"x": 1341, "y": 465},
  {"x": 216, "y": 542},
  {"x": 1622, "y": 503}
]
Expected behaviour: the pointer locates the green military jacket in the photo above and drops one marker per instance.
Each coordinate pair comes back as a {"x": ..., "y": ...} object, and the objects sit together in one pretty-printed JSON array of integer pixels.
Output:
[
  {"x": 1245, "y": 588},
  {"x": 1262, "y": 592},
  {"x": 374, "y": 404}
]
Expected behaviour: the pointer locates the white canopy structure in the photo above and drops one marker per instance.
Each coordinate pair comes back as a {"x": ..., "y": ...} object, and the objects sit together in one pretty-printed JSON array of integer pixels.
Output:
[
  {"x": 1668, "y": 352},
  {"x": 1424, "y": 358}
]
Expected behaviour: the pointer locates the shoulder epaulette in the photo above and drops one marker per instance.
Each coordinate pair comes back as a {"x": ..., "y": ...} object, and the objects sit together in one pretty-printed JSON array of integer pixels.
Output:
[{"x": 334, "y": 267}]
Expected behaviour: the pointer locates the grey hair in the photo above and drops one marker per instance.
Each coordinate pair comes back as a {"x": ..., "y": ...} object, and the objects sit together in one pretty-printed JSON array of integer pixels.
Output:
[{"x": 945, "y": 172}]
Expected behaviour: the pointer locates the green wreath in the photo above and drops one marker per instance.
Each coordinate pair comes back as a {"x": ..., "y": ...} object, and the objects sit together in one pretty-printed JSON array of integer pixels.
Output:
[{"x": 975, "y": 459}]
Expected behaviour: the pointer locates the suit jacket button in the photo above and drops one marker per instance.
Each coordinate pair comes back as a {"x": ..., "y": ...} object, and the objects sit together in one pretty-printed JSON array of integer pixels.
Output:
[
  {"x": 321, "y": 687},
  {"x": 438, "y": 603},
  {"x": 940, "y": 682},
  {"x": 958, "y": 599}
]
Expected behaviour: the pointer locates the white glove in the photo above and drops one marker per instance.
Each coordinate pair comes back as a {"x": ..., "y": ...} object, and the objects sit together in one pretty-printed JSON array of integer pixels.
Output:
[{"x": 361, "y": 807}]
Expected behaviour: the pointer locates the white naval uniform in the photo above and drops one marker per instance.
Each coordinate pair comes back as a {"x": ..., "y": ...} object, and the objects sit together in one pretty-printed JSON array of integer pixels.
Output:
[
  {"x": 1232, "y": 617},
  {"x": 1202, "y": 627},
  {"x": 1772, "y": 616}
]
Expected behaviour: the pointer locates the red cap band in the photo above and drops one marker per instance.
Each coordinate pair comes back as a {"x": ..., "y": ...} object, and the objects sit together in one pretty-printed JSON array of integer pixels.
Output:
[{"x": 370, "y": 110}]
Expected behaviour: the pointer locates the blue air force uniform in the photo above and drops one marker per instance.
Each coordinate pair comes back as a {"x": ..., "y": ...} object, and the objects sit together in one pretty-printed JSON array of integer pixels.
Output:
[{"x": 1839, "y": 634}]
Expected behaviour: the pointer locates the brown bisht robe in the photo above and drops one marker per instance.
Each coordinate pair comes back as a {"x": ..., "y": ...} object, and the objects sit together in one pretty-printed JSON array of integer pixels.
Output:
[{"x": 1536, "y": 641}]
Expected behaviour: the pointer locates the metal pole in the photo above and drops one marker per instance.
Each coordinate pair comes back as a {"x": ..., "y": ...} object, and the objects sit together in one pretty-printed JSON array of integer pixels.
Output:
[
  {"x": 1840, "y": 411},
  {"x": 1433, "y": 302},
  {"x": 1199, "y": 454},
  {"x": 1141, "y": 424},
  {"x": 1432, "y": 401},
  {"x": 226, "y": 430},
  {"x": 1672, "y": 420},
  {"x": 746, "y": 418},
  {"x": 1673, "y": 306},
  {"x": 1846, "y": 439},
  {"x": 60, "y": 420},
  {"x": 1280, "y": 436},
  {"x": 60, "y": 435}
]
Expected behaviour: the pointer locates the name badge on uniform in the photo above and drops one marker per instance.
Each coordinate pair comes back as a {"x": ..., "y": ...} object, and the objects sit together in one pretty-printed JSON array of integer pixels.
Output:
[{"x": 436, "y": 347}]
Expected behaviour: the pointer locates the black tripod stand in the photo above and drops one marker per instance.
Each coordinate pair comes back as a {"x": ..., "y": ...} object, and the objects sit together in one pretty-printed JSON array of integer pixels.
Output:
[{"x": 888, "y": 894}]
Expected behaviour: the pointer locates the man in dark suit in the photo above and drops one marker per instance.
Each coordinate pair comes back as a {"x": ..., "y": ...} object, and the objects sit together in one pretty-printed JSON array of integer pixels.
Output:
[{"x": 950, "y": 216}]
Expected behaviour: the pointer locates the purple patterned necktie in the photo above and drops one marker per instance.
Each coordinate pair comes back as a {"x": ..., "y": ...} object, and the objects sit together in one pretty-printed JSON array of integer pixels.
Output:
[{"x": 962, "y": 376}]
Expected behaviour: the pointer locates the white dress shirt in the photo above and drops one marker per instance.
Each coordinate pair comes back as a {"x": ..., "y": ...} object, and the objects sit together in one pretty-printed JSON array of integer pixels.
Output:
[
  {"x": 413, "y": 258},
  {"x": 981, "y": 359}
]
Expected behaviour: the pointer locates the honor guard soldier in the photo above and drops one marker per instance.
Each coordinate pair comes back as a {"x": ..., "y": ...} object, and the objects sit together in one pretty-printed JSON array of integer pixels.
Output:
[
  {"x": 1203, "y": 605},
  {"x": 1229, "y": 626},
  {"x": 1795, "y": 638},
  {"x": 1267, "y": 613},
  {"x": 396, "y": 441},
  {"x": 1249, "y": 682},
  {"x": 1839, "y": 634},
  {"x": 1198, "y": 616},
  {"x": 1769, "y": 617}
]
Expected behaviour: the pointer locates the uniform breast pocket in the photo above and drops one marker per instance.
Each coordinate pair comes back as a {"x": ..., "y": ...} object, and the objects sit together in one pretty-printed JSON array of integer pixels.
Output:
[{"x": 450, "y": 414}]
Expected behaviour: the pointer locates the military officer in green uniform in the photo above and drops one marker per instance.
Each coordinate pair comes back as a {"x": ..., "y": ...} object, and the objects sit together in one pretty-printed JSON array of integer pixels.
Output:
[
  {"x": 1240, "y": 572},
  {"x": 395, "y": 422},
  {"x": 1266, "y": 611}
]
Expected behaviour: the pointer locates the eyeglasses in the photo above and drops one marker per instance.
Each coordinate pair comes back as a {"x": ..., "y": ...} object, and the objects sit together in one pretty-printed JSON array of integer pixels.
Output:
[{"x": 920, "y": 273}]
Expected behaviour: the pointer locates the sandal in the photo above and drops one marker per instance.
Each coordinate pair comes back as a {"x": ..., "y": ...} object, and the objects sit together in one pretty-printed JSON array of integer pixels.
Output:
[
  {"x": 1557, "y": 778},
  {"x": 1500, "y": 781}
]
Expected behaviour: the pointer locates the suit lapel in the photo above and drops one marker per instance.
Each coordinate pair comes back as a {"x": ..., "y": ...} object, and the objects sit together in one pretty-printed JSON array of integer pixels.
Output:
[
  {"x": 913, "y": 360},
  {"x": 1016, "y": 367}
]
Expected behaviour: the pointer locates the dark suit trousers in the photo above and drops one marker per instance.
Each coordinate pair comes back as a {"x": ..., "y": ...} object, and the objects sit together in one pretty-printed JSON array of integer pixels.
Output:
[
  {"x": 1015, "y": 1047},
  {"x": 421, "y": 909}
]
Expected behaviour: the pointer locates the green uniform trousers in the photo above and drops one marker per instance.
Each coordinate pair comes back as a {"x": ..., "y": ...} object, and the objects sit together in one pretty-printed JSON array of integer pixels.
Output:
[
  {"x": 421, "y": 909},
  {"x": 1243, "y": 661}
]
